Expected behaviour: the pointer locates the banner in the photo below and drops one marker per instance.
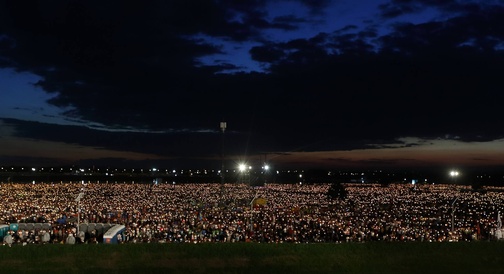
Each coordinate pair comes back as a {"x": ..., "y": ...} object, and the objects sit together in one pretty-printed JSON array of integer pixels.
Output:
[{"x": 260, "y": 201}]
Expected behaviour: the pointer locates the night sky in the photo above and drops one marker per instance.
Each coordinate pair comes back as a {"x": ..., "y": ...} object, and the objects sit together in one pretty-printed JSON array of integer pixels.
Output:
[{"x": 304, "y": 84}]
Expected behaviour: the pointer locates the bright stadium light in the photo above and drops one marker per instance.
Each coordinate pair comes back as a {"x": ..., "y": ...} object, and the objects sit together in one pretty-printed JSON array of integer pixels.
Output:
[
  {"x": 454, "y": 174},
  {"x": 242, "y": 167}
]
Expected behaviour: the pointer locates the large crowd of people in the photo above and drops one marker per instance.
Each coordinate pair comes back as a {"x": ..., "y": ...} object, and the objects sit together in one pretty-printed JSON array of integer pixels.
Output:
[{"x": 274, "y": 213}]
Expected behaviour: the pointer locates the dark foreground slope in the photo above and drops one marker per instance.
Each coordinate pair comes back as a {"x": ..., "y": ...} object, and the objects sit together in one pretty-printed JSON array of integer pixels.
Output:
[{"x": 475, "y": 257}]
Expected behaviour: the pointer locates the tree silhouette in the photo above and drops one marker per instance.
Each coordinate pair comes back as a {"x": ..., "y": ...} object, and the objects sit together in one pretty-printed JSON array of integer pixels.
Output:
[{"x": 337, "y": 191}]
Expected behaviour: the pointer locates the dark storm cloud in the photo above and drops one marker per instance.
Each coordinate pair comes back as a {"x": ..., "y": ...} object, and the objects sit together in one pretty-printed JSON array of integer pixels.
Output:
[
  {"x": 316, "y": 6},
  {"x": 346, "y": 29},
  {"x": 424, "y": 79},
  {"x": 163, "y": 144},
  {"x": 373, "y": 163},
  {"x": 178, "y": 148},
  {"x": 396, "y": 8},
  {"x": 267, "y": 54},
  {"x": 124, "y": 65},
  {"x": 31, "y": 161},
  {"x": 288, "y": 22},
  {"x": 111, "y": 69}
]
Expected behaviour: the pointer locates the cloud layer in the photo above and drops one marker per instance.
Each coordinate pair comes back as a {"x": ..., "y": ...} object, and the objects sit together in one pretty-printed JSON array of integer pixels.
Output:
[{"x": 139, "y": 67}]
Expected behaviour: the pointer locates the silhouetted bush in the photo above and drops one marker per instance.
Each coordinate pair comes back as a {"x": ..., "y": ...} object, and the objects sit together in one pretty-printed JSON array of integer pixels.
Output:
[{"x": 337, "y": 191}]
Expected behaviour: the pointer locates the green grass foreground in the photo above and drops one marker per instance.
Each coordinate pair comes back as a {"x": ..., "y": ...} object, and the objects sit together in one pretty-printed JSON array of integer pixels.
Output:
[{"x": 374, "y": 257}]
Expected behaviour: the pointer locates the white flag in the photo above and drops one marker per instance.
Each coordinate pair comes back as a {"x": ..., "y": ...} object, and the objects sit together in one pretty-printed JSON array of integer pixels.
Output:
[{"x": 499, "y": 221}]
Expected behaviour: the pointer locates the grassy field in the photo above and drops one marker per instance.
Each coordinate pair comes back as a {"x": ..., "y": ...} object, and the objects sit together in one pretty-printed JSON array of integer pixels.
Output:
[{"x": 475, "y": 257}]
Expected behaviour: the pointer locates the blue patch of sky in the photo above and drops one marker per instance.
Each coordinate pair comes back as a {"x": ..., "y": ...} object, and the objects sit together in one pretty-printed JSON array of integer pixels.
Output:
[
  {"x": 500, "y": 46},
  {"x": 20, "y": 99},
  {"x": 336, "y": 16},
  {"x": 237, "y": 53}
]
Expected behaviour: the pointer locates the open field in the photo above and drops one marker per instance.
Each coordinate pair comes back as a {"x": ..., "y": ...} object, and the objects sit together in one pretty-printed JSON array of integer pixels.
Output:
[{"x": 373, "y": 257}]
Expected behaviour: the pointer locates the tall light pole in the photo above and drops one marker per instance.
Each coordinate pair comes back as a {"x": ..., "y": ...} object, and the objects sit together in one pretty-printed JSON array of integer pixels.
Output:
[
  {"x": 78, "y": 199},
  {"x": 8, "y": 185},
  {"x": 223, "y": 126},
  {"x": 499, "y": 221},
  {"x": 453, "y": 174},
  {"x": 453, "y": 215},
  {"x": 252, "y": 213}
]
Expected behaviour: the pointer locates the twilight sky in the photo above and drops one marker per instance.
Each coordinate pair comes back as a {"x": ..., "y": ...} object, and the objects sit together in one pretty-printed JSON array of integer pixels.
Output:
[{"x": 320, "y": 83}]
